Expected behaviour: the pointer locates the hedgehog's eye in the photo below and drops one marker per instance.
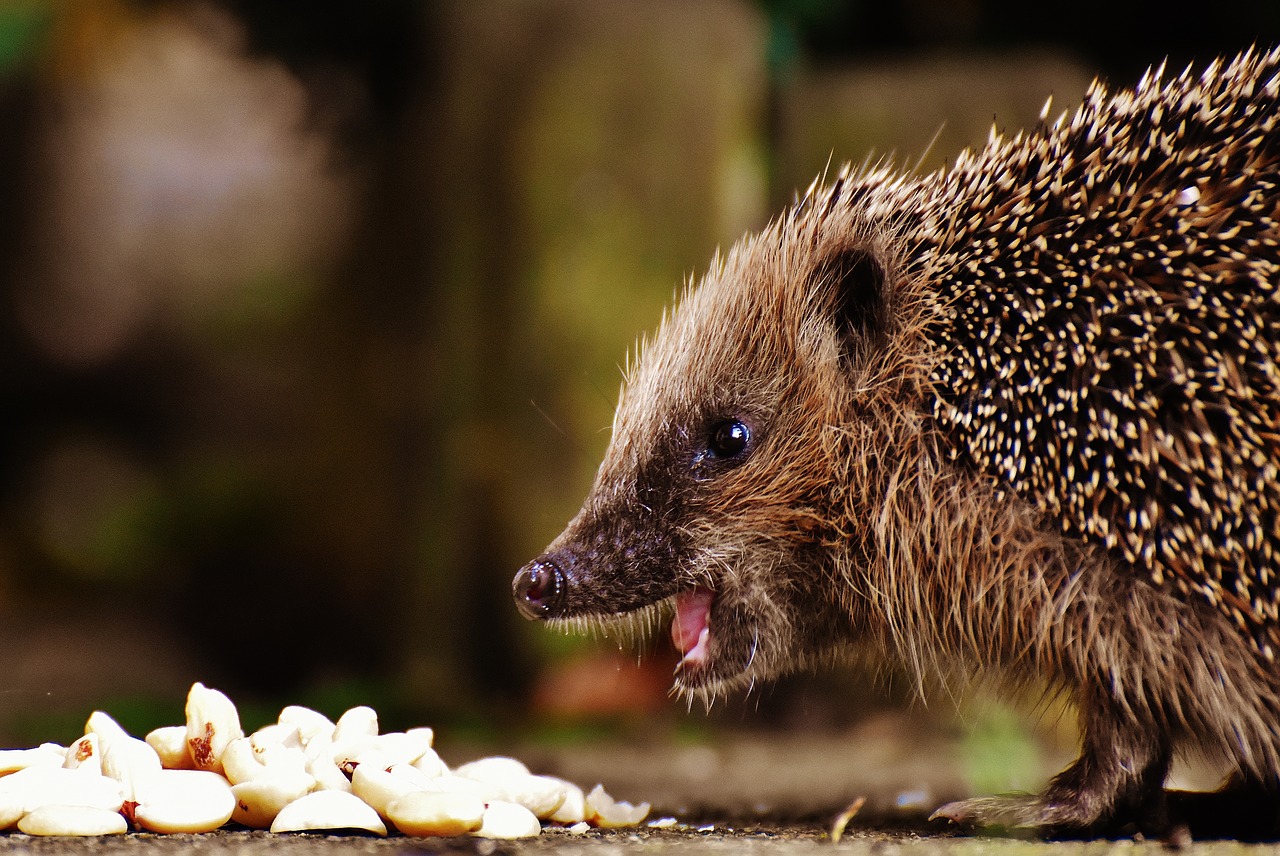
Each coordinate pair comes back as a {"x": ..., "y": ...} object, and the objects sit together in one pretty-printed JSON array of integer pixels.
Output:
[
  {"x": 729, "y": 439},
  {"x": 727, "y": 444}
]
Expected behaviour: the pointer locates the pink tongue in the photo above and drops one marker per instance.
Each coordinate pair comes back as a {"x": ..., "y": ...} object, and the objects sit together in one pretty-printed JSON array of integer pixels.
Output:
[{"x": 689, "y": 629}]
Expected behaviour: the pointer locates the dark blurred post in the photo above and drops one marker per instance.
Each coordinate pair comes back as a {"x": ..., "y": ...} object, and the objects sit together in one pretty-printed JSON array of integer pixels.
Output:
[{"x": 579, "y": 158}]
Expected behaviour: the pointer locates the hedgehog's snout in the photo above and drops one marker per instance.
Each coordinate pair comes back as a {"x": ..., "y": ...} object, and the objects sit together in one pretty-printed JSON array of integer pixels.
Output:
[{"x": 540, "y": 588}]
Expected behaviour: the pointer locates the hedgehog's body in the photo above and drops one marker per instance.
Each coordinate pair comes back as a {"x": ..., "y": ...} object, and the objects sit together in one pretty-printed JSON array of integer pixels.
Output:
[{"x": 1020, "y": 417}]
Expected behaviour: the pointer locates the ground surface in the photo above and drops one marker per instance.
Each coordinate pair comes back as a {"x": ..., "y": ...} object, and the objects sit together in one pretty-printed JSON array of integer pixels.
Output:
[{"x": 771, "y": 839}]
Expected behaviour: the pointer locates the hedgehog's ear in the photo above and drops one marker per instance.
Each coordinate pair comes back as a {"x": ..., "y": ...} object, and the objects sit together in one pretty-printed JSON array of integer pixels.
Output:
[{"x": 856, "y": 279}]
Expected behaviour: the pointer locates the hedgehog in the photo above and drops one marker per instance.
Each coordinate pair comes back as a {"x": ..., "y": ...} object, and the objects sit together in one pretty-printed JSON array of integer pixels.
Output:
[{"x": 1017, "y": 419}]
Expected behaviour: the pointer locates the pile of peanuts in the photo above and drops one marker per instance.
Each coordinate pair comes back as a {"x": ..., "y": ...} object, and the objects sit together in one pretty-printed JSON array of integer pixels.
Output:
[{"x": 303, "y": 773}]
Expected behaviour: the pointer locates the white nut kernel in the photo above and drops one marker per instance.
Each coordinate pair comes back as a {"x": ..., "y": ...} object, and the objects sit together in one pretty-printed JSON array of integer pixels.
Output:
[
  {"x": 170, "y": 745},
  {"x": 327, "y": 775},
  {"x": 509, "y": 780},
  {"x": 508, "y": 820},
  {"x": 354, "y": 735},
  {"x": 431, "y": 764},
  {"x": 185, "y": 801},
  {"x": 495, "y": 768},
  {"x": 39, "y": 786},
  {"x": 424, "y": 813},
  {"x": 101, "y": 724},
  {"x": 574, "y": 807},
  {"x": 359, "y": 721},
  {"x": 240, "y": 763},
  {"x": 212, "y": 723},
  {"x": 607, "y": 813},
  {"x": 259, "y": 801},
  {"x": 310, "y": 723},
  {"x": 411, "y": 774},
  {"x": 347, "y": 753},
  {"x": 318, "y": 747},
  {"x": 369, "y": 756},
  {"x": 129, "y": 761},
  {"x": 282, "y": 758},
  {"x": 73, "y": 820},
  {"x": 378, "y": 787},
  {"x": 402, "y": 747},
  {"x": 280, "y": 734},
  {"x": 45, "y": 755},
  {"x": 328, "y": 810},
  {"x": 542, "y": 795},
  {"x": 451, "y": 784},
  {"x": 84, "y": 754},
  {"x": 125, "y": 758},
  {"x": 12, "y": 807}
]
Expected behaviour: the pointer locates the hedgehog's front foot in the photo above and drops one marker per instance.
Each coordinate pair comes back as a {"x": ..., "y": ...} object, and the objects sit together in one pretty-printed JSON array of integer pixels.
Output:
[
  {"x": 1052, "y": 817},
  {"x": 1115, "y": 787},
  {"x": 1055, "y": 814}
]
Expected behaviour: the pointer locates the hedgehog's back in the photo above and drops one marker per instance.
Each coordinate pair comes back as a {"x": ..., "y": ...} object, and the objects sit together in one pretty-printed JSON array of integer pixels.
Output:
[{"x": 1112, "y": 336}]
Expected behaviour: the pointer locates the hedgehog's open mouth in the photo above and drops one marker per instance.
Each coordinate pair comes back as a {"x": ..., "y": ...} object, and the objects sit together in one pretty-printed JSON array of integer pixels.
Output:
[{"x": 689, "y": 630}]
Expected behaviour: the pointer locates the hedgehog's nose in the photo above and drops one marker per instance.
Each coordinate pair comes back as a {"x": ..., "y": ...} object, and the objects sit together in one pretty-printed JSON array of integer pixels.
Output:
[{"x": 539, "y": 589}]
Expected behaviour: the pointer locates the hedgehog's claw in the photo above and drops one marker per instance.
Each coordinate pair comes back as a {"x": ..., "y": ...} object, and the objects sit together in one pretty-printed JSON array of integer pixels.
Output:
[
  {"x": 1013, "y": 811},
  {"x": 1022, "y": 815}
]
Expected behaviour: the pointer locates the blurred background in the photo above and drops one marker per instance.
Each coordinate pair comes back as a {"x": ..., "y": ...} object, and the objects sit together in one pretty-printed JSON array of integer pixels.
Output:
[{"x": 311, "y": 319}]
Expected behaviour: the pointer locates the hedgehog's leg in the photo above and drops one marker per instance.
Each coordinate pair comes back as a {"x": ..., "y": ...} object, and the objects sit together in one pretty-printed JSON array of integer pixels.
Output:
[
  {"x": 1117, "y": 783},
  {"x": 1115, "y": 786}
]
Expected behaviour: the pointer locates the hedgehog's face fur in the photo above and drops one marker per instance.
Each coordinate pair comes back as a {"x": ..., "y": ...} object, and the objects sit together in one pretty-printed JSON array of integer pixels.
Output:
[{"x": 727, "y": 477}]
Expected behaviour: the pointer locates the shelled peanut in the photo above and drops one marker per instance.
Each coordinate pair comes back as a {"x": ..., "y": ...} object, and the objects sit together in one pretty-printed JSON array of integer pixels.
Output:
[{"x": 302, "y": 773}]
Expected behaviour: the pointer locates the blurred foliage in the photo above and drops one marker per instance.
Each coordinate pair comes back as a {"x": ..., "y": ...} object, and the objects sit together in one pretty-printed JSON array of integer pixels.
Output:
[
  {"x": 24, "y": 28},
  {"x": 791, "y": 21},
  {"x": 998, "y": 752}
]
